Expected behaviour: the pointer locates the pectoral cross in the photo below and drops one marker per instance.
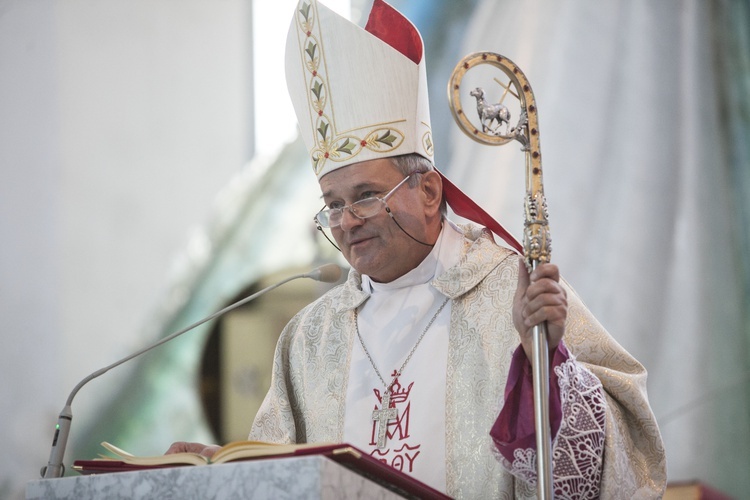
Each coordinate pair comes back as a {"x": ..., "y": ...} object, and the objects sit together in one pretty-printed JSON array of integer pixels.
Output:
[{"x": 383, "y": 416}]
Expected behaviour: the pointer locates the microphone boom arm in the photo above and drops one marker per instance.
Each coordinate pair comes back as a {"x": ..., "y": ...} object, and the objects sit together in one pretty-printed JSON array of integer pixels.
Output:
[{"x": 55, "y": 467}]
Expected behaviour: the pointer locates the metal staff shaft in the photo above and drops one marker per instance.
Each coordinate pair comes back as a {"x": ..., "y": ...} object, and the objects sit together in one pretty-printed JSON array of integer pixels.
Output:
[
  {"x": 537, "y": 241},
  {"x": 537, "y": 245},
  {"x": 540, "y": 372}
]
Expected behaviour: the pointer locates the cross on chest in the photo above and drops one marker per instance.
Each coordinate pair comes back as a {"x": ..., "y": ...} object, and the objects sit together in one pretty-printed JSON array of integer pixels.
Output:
[{"x": 383, "y": 416}]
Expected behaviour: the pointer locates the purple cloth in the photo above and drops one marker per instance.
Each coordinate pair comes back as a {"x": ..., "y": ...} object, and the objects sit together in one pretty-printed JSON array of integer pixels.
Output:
[{"x": 514, "y": 427}]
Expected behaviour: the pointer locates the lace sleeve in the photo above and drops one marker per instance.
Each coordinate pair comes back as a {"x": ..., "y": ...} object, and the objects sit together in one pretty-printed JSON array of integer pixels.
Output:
[{"x": 578, "y": 446}]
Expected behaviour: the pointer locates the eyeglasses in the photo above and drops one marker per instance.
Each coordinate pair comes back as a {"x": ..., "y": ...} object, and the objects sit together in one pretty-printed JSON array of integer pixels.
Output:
[{"x": 361, "y": 209}]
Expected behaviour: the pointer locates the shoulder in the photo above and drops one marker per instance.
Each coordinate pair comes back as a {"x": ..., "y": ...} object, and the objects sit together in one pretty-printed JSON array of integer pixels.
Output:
[
  {"x": 483, "y": 263},
  {"x": 480, "y": 244},
  {"x": 330, "y": 308}
]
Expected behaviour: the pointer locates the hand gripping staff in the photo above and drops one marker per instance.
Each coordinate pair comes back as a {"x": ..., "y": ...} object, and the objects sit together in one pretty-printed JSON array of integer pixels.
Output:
[{"x": 495, "y": 129}]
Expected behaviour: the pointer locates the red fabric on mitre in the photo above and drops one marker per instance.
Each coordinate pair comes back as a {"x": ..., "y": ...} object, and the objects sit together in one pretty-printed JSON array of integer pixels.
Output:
[
  {"x": 390, "y": 26},
  {"x": 467, "y": 208},
  {"x": 393, "y": 28}
]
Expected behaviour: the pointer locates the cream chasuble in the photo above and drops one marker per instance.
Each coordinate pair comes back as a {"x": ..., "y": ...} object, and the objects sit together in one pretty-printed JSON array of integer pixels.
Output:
[
  {"x": 390, "y": 323},
  {"x": 323, "y": 389},
  {"x": 449, "y": 394}
]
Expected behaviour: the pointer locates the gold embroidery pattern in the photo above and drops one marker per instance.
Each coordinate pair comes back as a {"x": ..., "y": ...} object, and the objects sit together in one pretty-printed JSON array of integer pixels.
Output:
[
  {"x": 329, "y": 145},
  {"x": 427, "y": 144}
]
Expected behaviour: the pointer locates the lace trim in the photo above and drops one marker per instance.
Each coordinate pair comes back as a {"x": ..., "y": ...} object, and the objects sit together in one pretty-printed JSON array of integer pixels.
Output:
[{"x": 578, "y": 448}]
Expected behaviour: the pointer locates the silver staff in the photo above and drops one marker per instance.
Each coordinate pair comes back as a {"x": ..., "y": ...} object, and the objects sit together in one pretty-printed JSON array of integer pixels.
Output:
[{"x": 493, "y": 119}]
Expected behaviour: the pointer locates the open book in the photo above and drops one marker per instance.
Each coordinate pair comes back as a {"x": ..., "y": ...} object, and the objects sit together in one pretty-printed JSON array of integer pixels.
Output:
[
  {"x": 342, "y": 453},
  {"x": 239, "y": 450}
]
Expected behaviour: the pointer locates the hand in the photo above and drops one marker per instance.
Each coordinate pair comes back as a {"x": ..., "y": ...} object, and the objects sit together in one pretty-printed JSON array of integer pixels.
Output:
[
  {"x": 201, "y": 449},
  {"x": 539, "y": 297}
]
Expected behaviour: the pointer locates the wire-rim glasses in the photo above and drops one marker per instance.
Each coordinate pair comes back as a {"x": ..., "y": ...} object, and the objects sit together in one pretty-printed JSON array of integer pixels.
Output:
[{"x": 362, "y": 209}]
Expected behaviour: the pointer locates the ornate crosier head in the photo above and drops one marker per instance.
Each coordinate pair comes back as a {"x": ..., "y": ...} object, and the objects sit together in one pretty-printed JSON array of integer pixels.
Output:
[
  {"x": 359, "y": 94},
  {"x": 494, "y": 126}
]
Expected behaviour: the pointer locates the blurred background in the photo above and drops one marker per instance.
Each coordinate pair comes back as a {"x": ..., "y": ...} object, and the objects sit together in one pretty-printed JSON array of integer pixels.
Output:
[{"x": 151, "y": 175}]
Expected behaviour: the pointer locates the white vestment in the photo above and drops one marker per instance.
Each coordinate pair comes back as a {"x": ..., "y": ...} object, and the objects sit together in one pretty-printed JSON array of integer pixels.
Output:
[
  {"x": 308, "y": 395},
  {"x": 391, "y": 322}
]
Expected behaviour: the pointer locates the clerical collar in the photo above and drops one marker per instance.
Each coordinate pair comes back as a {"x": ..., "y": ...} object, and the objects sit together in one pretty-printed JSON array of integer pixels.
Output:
[{"x": 445, "y": 254}]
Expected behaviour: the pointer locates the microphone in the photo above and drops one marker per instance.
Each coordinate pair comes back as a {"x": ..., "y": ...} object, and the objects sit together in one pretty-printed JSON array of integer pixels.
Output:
[{"x": 328, "y": 273}]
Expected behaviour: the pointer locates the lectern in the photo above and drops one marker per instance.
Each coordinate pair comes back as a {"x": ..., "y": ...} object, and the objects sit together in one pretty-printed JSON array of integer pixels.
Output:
[{"x": 309, "y": 477}]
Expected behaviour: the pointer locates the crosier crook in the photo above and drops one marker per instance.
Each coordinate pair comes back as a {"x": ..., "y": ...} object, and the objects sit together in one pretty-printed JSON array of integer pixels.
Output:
[{"x": 536, "y": 234}]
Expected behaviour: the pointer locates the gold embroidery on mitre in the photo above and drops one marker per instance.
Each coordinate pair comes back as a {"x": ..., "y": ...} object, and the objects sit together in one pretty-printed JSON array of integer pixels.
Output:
[
  {"x": 329, "y": 144},
  {"x": 427, "y": 144},
  {"x": 345, "y": 147}
]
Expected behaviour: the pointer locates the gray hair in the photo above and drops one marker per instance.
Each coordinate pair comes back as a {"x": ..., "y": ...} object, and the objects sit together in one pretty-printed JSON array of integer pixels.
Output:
[{"x": 415, "y": 165}]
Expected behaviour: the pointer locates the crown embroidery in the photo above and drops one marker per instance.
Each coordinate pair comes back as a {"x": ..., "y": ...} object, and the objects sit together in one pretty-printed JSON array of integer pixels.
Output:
[
  {"x": 399, "y": 393},
  {"x": 330, "y": 145}
]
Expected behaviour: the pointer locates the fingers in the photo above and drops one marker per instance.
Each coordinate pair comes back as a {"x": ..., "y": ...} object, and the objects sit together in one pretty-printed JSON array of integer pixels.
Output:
[
  {"x": 545, "y": 300},
  {"x": 523, "y": 275},
  {"x": 545, "y": 271},
  {"x": 542, "y": 272},
  {"x": 201, "y": 449},
  {"x": 540, "y": 297},
  {"x": 209, "y": 451},
  {"x": 554, "y": 314},
  {"x": 182, "y": 447}
]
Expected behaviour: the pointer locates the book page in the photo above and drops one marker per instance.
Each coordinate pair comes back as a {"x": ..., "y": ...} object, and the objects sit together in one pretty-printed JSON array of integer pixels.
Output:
[
  {"x": 252, "y": 449},
  {"x": 175, "y": 458}
]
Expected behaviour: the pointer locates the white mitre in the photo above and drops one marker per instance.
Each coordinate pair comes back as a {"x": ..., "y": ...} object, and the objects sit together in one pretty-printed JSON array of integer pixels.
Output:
[{"x": 359, "y": 94}]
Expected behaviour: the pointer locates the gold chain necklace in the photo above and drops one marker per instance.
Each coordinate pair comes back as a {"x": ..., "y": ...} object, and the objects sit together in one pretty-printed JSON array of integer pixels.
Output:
[{"x": 385, "y": 414}]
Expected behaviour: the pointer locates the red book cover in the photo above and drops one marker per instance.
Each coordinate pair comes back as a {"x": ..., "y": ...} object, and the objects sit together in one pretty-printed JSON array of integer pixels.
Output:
[{"x": 343, "y": 454}]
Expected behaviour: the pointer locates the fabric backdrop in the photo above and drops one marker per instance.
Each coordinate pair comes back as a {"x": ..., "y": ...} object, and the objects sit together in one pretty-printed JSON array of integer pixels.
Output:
[{"x": 643, "y": 112}]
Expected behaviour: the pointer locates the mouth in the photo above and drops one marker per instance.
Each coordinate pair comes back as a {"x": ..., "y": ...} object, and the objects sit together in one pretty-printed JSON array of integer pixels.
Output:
[{"x": 359, "y": 241}]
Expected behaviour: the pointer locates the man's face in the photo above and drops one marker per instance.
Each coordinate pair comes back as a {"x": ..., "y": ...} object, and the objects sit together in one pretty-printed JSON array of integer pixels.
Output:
[{"x": 376, "y": 246}]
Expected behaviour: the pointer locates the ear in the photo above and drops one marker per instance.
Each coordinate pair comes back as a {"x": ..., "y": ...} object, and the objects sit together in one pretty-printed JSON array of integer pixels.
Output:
[{"x": 432, "y": 190}]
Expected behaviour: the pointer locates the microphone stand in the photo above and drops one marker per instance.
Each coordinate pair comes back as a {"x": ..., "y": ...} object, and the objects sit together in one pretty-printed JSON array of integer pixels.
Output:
[{"x": 328, "y": 273}]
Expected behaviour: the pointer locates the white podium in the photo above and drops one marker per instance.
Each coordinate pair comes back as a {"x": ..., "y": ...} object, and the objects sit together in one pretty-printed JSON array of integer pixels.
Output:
[{"x": 306, "y": 477}]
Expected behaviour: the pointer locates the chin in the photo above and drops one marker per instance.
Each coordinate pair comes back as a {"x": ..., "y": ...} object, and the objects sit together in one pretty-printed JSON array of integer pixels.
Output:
[{"x": 364, "y": 266}]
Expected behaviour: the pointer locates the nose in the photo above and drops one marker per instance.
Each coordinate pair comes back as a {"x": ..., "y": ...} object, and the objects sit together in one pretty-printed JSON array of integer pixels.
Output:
[{"x": 349, "y": 221}]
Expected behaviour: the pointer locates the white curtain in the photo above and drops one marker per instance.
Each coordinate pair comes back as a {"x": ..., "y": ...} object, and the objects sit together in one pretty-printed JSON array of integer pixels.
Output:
[{"x": 642, "y": 199}]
